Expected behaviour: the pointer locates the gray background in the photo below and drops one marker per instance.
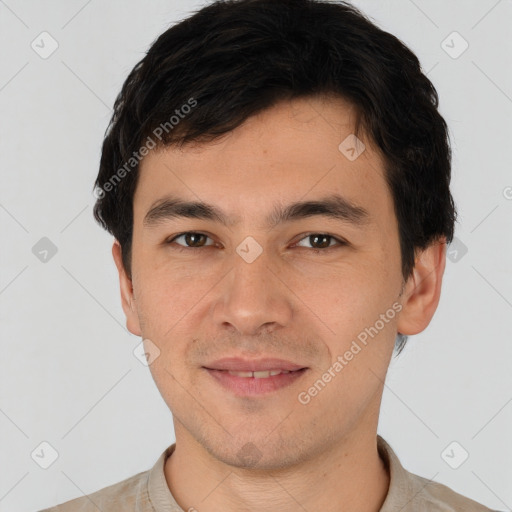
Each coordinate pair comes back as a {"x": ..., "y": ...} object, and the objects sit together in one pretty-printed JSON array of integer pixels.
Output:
[{"x": 68, "y": 373}]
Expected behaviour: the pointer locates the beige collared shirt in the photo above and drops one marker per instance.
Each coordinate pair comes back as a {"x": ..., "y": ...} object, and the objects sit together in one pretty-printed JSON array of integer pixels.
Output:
[{"x": 148, "y": 492}]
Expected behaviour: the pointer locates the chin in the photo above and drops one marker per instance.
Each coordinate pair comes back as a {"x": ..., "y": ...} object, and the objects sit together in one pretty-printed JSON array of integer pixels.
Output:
[{"x": 257, "y": 454}]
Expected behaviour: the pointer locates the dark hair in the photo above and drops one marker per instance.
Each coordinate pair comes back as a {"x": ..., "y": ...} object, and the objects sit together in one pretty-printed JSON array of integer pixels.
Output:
[{"x": 232, "y": 59}]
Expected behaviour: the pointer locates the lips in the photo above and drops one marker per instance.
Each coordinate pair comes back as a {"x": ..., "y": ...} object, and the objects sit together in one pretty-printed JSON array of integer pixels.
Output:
[
  {"x": 255, "y": 383},
  {"x": 257, "y": 367}
]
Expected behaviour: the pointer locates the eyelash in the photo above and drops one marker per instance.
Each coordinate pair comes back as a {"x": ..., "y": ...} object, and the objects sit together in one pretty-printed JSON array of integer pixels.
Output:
[{"x": 340, "y": 242}]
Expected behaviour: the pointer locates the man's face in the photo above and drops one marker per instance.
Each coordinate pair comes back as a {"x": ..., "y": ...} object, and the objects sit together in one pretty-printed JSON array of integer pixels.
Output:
[{"x": 304, "y": 298}]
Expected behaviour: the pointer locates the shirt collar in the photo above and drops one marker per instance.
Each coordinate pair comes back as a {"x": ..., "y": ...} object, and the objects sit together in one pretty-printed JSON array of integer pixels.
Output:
[
  {"x": 159, "y": 494},
  {"x": 403, "y": 487}
]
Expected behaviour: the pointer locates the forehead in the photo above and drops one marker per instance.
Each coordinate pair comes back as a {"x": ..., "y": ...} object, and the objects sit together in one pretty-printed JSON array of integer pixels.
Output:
[{"x": 301, "y": 149}]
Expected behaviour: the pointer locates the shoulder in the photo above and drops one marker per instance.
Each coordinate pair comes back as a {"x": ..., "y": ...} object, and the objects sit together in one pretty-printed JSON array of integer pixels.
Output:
[
  {"x": 409, "y": 492},
  {"x": 431, "y": 495},
  {"x": 129, "y": 495}
]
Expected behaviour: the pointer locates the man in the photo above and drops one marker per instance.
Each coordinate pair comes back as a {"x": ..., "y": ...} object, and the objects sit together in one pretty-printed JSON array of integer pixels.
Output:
[{"x": 276, "y": 176}]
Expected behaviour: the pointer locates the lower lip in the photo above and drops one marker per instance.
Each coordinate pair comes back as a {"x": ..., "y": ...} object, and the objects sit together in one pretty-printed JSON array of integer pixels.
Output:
[{"x": 252, "y": 386}]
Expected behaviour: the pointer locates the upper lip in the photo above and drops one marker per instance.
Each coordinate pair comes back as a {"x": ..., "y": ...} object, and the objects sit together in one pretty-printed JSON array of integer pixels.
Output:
[{"x": 252, "y": 365}]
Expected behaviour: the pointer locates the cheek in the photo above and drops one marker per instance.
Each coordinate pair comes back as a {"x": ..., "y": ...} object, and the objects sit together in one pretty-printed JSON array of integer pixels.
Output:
[
  {"x": 356, "y": 303},
  {"x": 173, "y": 306},
  {"x": 339, "y": 292},
  {"x": 168, "y": 289}
]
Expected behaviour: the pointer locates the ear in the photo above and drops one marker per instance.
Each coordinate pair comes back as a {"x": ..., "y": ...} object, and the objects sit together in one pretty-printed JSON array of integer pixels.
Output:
[
  {"x": 423, "y": 289},
  {"x": 127, "y": 298}
]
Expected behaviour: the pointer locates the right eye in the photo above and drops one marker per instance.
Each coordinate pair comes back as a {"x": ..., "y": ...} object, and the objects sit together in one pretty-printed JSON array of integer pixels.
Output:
[{"x": 192, "y": 238}]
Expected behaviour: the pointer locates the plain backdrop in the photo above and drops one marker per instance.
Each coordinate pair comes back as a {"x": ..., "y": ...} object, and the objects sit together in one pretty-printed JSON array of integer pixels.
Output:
[{"x": 68, "y": 375}]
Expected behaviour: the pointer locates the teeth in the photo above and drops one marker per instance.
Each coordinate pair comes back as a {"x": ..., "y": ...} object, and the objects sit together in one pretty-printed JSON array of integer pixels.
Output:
[
  {"x": 262, "y": 374},
  {"x": 258, "y": 375},
  {"x": 240, "y": 374}
]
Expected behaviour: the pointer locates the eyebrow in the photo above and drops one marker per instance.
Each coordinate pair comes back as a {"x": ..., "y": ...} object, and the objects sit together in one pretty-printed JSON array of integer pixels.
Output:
[{"x": 333, "y": 206}]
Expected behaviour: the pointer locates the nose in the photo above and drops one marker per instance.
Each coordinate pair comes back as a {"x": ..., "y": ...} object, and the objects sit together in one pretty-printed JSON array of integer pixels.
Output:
[{"x": 253, "y": 297}]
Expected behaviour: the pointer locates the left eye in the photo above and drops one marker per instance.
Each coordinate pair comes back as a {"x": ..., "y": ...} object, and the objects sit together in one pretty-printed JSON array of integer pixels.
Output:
[{"x": 320, "y": 239}]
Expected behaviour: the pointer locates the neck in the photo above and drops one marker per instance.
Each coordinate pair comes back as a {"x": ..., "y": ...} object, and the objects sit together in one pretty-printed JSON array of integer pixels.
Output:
[{"x": 347, "y": 476}]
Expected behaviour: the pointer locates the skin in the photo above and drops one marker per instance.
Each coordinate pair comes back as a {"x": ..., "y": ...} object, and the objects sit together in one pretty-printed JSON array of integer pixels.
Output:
[{"x": 291, "y": 303}]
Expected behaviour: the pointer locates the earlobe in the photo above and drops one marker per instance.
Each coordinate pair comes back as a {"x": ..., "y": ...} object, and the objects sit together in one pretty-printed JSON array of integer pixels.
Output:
[
  {"x": 126, "y": 288},
  {"x": 423, "y": 289}
]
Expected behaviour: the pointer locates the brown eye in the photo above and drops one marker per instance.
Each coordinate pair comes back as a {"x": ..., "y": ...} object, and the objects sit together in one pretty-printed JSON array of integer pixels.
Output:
[
  {"x": 322, "y": 241},
  {"x": 192, "y": 240}
]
